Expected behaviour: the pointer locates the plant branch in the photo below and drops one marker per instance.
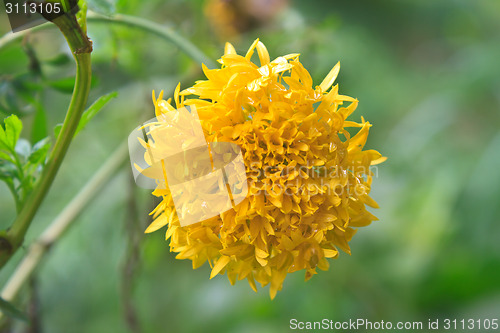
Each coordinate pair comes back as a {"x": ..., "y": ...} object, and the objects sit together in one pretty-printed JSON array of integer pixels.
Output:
[
  {"x": 12, "y": 37},
  {"x": 81, "y": 46},
  {"x": 61, "y": 223},
  {"x": 159, "y": 30},
  {"x": 12, "y": 188},
  {"x": 132, "y": 258},
  {"x": 132, "y": 22},
  {"x": 12, "y": 239}
]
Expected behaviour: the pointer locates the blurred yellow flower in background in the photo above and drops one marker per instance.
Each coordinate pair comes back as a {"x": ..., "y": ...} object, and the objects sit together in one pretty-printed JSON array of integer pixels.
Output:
[
  {"x": 231, "y": 18},
  {"x": 308, "y": 179}
]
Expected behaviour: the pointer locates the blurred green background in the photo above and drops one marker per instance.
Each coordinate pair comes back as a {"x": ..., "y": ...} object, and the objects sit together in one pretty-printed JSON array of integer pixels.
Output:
[{"x": 427, "y": 75}]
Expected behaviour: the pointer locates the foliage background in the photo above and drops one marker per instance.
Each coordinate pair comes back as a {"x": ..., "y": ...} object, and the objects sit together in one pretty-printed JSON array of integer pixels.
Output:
[{"x": 427, "y": 76}]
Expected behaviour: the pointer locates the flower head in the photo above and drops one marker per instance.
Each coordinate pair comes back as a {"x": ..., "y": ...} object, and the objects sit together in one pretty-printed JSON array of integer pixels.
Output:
[{"x": 308, "y": 179}]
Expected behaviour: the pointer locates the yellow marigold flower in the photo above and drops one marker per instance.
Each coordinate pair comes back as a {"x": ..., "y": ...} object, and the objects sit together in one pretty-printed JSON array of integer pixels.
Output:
[{"x": 308, "y": 179}]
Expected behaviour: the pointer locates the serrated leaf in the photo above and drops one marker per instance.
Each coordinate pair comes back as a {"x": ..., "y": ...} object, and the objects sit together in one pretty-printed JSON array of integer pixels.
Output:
[
  {"x": 97, "y": 106},
  {"x": 11, "y": 311},
  {"x": 13, "y": 128}
]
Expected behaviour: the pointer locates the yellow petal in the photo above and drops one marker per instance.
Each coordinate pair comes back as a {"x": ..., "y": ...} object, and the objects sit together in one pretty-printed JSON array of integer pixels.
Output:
[
  {"x": 263, "y": 54},
  {"x": 221, "y": 263},
  {"x": 346, "y": 112},
  {"x": 330, "y": 253},
  {"x": 251, "y": 282},
  {"x": 176, "y": 95},
  {"x": 249, "y": 54},
  {"x": 261, "y": 253},
  {"x": 348, "y": 123},
  {"x": 229, "y": 49},
  {"x": 291, "y": 56},
  {"x": 277, "y": 279},
  {"x": 330, "y": 78},
  {"x": 154, "y": 97},
  {"x": 158, "y": 223},
  {"x": 379, "y": 160},
  {"x": 369, "y": 201},
  {"x": 170, "y": 231},
  {"x": 156, "y": 102},
  {"x": 261, "y": 261}
]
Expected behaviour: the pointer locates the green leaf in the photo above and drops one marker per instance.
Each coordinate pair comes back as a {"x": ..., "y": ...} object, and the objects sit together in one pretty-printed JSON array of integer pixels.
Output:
[
  {"x": 39, "y": 151},
  {"x": 97, "y": 106},
  {"x": 25, "y": 84},
  {"x": 57, "y": 130},
  {"x": 39, "y": 128},
  {"x": 81, "y": 16},
  {"x": 59, "y": 60},
  {"x": 4, "y": 156},
  {"x": 67, "y": 84},
  {"x": 9, "y": 101},
  {"x": 10, "y": 310},
  {"x": 3, "y": 139},
  {"x": 17, "y": 94},
  {"x": 8, "y": 170},
  {"x": 13, "y": 128},
  {"x": 105, "y": 7}
]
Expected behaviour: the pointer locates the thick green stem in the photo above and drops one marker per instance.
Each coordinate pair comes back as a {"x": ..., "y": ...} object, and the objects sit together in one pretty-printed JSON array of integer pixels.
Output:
[{"x": 13, "y": 238}]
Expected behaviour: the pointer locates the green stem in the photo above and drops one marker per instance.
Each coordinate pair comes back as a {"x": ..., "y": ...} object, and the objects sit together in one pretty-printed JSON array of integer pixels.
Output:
[
  {"x": 11, "y": 37},
  {"x": 63, "y": 221},
  {"x": 159, "y": 30},
  {"x": 18, "y": 164},
  {"x": 77, "y": 105},
  {"x": 13, "y": 238},
  {"x": 132, "y": 22},
  {"x": 12, "y": 189}
]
